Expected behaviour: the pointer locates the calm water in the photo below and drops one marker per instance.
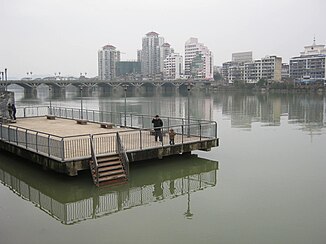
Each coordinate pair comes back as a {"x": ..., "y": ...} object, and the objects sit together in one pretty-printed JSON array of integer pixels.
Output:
[{"x": 265, "y": 183}]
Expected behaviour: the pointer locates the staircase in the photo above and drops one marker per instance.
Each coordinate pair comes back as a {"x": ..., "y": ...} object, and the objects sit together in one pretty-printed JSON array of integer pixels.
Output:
[{"x": 108, "y": 170}]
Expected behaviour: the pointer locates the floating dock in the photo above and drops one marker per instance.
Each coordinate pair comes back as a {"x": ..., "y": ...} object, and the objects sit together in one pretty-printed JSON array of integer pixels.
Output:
[{"x": 69, "y": 140}]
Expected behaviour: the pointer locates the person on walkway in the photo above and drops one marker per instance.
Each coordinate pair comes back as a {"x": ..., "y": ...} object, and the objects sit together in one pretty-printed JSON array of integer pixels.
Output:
[
  {"x": 171, "y": 136},
  {"x": 13, "y": 108},
  {"x": 10, "y": 110},
  {"x": 158, "y": 124}
]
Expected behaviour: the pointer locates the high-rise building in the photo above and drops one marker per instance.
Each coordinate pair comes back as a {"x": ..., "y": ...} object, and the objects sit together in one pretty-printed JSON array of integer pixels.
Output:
[
  {"x": 198, "y": 60},
  {"x": 310, "y": 66},
  {"x": 150, "y": 54},
  {"x": 108, "y": 56},
  {"x": 242, "y": 57},
  {"x": 173, "y": 67},
  {"x": 165, "y": 51}
]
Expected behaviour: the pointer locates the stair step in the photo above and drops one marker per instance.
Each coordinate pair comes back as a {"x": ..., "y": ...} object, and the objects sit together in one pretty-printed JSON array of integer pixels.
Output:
[
  {"x": 118, "y": 166},
  {"x": 111, "y": 172},
  {"x": 107, "y": 158},
  {"x": 113, "y": 177},
  {"x": 108, "y": 163}
]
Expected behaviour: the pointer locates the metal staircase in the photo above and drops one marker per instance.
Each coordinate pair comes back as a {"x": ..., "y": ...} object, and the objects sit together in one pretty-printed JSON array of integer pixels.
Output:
[{"x": 108, "y": 169}]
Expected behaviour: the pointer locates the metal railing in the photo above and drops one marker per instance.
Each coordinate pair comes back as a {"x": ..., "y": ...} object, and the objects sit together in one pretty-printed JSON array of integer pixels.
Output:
[
  {"x": 79, "y": 147},
  {"x": 122, "y": 154},
  {"x": 132, "y": 120}
]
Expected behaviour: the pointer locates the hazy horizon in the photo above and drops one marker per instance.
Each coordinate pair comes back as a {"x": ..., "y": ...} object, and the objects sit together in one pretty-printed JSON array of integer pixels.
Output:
[{"x": 51, "y": 36}]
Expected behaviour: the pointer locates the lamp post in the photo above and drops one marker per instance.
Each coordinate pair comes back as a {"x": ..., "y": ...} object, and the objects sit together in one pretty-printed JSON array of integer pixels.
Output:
[
  {"x": 50, "y": 95},
  {"x": 125, "y": 92},
  {"x": 6, "y": 78},
  {"x": 81, "y": 102},
  {"x": 188, "y": 88},
  {"x": 2, "y": 79}
]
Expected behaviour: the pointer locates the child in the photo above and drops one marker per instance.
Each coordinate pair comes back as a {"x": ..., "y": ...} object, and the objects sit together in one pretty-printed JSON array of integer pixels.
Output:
[{"x": 171, "y": 136}]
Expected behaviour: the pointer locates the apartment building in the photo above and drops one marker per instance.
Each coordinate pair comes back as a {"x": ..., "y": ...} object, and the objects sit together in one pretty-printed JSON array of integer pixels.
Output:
[
  {"x": 268, "y": 68},
  {"x": 150, "y": 54},
  {"x": 198, "y": 60},
  {"x": 173, "y": 67},
  {"x": 310, "y": 65},
  {"x": 108, "y": 56}
]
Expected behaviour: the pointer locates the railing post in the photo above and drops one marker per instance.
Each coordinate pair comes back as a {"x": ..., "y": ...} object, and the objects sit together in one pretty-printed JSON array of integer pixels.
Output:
[
  {"x": 62, "y": 149},
  {"x": 182, "y": 130},
  {"x": 215, "y": 129},
  {"x": 26, "y": 138},
  {"x": 9, "y": 133},
  {"x": 17, "y": 135},
  {"x": 36, "y": 147},
  {"x": 142, "y": 121},
  {"x": 49, "y": 145},
  {"x": 140, "y": 140},
  {"x": 24, "y": 112},
  {"x": 199, "y": 131}
]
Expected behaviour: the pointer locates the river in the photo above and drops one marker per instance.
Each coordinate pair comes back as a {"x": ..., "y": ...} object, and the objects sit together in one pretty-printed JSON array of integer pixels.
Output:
[{"x": 265, "y": 183}]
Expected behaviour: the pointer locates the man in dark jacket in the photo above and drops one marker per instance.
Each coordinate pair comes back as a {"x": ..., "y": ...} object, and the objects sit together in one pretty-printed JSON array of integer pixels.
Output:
[{"x": 158, "y": 124}]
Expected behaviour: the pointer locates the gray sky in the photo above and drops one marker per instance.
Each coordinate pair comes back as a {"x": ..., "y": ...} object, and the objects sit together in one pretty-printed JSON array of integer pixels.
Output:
[{"x": 51, "y": 36}]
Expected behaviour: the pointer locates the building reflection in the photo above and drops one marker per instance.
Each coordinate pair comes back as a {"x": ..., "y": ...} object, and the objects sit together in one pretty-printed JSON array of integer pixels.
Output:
[
  {"x": 308, "y": 110},
  {"x": 242, "y": 108},
  {"x": 74, "y": 199}
]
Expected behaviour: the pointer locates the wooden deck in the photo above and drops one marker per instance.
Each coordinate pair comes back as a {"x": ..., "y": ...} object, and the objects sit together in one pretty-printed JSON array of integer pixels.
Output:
[{"x": 63, "y": 145}]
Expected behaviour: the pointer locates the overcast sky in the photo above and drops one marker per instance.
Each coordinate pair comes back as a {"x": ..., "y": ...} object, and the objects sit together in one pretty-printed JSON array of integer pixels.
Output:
[{"x": 51, "y": 36}]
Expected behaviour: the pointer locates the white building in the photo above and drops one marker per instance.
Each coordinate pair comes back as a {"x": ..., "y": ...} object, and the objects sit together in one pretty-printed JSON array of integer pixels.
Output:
[
  {"x": 310, "y": 66},
  {"x": 173, "y": 67},
  {"x": 108, "y": 56},
  {"x": 150, "y": 54},
  {"x": 165, "y": 51},
  {"x": 268, "y": 68},
  {"x": 198, "y": 60}
]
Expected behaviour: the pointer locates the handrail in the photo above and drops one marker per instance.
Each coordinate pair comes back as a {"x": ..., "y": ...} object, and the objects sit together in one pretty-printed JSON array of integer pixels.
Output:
[
  {"x": 94, "y": 164},
  {"x": 66, "y": 147},
  {"x": 122, "y": 154}
]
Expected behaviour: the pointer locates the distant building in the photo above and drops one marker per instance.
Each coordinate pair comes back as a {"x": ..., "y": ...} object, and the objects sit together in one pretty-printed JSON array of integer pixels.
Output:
[
  {"x": 173, "y": 67},
  {"x": 150, "y": 54},
  {"x": 124, "y": 68},
  {"x": 242, "y": 57},
  {"x": 198, "y": 60},
  {"x": 165, "y": 51},
  {"x": 285, "y": 71},
  {"x": 268, "y": 68},
  {"x": 139, "y": 55},
  {"x": 108, "y": 56},
  {"x": 310, "y": 65}
]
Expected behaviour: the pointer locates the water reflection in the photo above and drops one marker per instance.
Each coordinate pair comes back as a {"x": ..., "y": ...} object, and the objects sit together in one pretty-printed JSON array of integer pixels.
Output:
[
  {"x": 308, "y": 110},
  {"x": 243, "y": 109},
  {"x": 71, "y": 200}
]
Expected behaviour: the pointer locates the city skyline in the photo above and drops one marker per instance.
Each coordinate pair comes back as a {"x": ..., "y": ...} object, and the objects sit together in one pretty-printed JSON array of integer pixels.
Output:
[{"x": 47, "y": 37}]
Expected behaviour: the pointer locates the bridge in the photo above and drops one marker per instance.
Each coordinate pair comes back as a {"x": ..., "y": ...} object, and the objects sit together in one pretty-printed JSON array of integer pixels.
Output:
[{"x": 86, "y": 85}]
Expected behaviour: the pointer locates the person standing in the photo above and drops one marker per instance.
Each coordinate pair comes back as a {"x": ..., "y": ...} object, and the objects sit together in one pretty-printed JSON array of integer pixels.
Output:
[
  {"x": 13, "y": 108},
  {"x": 171, "y": 136},
  {"x": 10, "y": 110},
  {"x": 158, "y": 124}
]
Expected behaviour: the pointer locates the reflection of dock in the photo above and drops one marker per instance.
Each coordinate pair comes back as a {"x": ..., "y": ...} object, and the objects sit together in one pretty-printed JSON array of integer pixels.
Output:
[{"x": 71, "y": 200}]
